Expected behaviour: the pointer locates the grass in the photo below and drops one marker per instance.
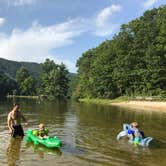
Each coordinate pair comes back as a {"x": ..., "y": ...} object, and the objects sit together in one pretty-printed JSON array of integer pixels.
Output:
[
  {"x": 104, "y": 101},
  {"x": 120, "y": 99}
]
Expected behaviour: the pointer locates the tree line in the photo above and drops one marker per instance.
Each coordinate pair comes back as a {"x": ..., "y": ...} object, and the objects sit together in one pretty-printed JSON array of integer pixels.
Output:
[
  {"x": 53, "y": 82},
  {"x": 132, "y": 63}
]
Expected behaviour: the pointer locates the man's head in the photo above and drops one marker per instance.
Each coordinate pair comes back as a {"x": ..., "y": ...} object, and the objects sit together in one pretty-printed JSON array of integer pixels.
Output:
[{"x": 15, "y": 107}]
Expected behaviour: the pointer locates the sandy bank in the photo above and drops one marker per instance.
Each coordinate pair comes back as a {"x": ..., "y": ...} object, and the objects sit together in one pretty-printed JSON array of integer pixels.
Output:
[{"x": 143, "y": 105}]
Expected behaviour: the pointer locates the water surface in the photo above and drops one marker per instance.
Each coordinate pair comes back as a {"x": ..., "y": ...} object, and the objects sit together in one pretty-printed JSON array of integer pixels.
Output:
[{"x": 88, "y": 133}]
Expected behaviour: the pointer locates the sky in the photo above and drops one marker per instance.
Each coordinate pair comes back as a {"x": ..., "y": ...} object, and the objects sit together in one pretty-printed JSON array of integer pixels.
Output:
[{"x": 62, "y": 30}]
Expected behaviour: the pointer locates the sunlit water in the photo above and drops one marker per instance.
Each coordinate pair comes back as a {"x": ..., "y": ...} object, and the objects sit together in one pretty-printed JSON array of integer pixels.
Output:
[{"x": 88, "y": 133}]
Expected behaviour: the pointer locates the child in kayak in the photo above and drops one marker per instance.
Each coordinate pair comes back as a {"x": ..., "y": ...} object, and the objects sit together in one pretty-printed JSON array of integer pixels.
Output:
[
  {"x": 42, "y": 132},
  {"x": 134, "y": 133}
]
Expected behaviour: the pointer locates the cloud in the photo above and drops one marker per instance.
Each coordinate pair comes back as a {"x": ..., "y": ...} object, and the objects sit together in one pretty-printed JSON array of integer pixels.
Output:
[
  {"x": 2, "y": 21},
  {"x": 38, "y": 43},
  {"x": 149, "y": 3},
  {"x": 104, "y": 25},
  {"x": 105, "y": 14},
  {"x": 20, "y": 2}
]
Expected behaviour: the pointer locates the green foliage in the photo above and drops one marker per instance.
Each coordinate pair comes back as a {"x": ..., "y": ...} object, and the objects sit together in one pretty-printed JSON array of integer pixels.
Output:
[
  {"x": 54, "y": 80},
  {"x": 72, "y": 84},
  {"x": 11, "y": 67},
  {"x": 7, "y": 85},
  {"x": 28, "y": 86},
  {"x": 11, "y": 70},
  {"x": 22, "y": 74},
  {"x": 132, "y": 63},
  {"x": 25, "y": 81}
]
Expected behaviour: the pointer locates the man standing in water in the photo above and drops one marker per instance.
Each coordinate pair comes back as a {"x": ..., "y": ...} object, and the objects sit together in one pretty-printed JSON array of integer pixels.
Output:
[{"x": 14, "y": 122}]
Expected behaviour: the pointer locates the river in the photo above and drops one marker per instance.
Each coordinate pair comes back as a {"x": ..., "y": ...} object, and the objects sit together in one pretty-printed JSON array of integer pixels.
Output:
[{"x": 88, "y": 133}]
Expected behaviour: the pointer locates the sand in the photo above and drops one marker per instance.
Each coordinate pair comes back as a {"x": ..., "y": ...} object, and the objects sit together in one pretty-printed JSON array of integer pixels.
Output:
[{"x": 143, "y": 105}]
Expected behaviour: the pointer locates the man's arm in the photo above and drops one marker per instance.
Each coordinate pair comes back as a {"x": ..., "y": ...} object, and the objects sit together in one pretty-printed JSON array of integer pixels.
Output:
[
  {"x": 23, "y": 117},
  {"x": 9, "y": 123}
]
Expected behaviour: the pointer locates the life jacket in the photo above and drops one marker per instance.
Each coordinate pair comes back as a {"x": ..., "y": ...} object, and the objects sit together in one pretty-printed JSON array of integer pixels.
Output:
[
  {"x": 41, "y": 133},
  {"x": 134, "y": 132}
]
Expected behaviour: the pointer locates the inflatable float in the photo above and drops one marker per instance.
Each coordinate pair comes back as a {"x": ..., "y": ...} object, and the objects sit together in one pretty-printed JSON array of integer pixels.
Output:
[
  {"x": 144, "y": 141},
  {"x": 49, "y": 142}
]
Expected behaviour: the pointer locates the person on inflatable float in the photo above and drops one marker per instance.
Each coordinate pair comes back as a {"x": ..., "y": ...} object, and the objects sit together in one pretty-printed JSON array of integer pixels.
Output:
[
  {"x": 134, "y": 133},
  {"x": 42, "y": 132}
]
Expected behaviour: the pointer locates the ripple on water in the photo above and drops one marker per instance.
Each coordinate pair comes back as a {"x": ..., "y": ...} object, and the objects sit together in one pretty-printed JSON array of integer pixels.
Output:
[{"x": 88, "y": 135}]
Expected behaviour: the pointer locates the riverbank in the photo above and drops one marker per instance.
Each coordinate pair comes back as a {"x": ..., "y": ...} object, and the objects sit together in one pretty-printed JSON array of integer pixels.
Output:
[
  {"x": 23, "y": 97},
  {"x": 125, "y": 103},
  {"x": 143, "y": 105}
]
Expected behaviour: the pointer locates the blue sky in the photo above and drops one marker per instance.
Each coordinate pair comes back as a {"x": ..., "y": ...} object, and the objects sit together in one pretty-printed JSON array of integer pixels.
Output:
[{"x": 33, "y": 30}]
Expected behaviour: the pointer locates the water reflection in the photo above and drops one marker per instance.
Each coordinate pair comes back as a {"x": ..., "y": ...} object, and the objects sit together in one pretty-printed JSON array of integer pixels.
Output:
[
  {"x": 42, "y": 151},
  {"x": 97, "y": 129},
  {"x": 88, "y": 133},
  {"x": 13, "y": 151}
]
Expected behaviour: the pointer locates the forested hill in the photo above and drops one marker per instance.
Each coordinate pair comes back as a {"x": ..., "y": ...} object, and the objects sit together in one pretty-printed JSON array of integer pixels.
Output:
[
  {"x": 132, "y": 63},
  {"x": 47, "y": 79},
  {"x": 11, "y": 67}
]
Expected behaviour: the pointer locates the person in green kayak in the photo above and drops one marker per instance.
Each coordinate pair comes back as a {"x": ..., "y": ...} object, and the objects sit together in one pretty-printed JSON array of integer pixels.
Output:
[
  {"x": 14, "y": 122},
  {"x": 42, "y": 132}
]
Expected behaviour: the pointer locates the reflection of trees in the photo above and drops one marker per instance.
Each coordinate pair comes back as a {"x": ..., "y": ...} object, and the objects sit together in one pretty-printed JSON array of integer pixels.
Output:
[
  {"x": 97, "y": 115},
  {"x": 113, "y": 117},
  {"x": 52, "y": 112},
  {"x": 99, "y": 124},
  {"x": 48, "y": 112},
  {"x": 13, "y": 151}
]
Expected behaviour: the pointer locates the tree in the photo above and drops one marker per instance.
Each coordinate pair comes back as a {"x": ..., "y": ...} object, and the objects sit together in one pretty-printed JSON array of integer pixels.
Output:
[
  {"x": 28, "y": 86},
  {"x": 7, "y": 85},
  {"x": 22, "y": 74},
  {"x": 132, "y": 63},
  {"x": 26, "y": 82},
  {"x": 54, "y": 80}
]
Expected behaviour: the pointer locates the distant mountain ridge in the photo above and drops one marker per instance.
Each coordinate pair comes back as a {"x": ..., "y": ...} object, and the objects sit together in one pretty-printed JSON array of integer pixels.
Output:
[{"x": 10, "y": 68}]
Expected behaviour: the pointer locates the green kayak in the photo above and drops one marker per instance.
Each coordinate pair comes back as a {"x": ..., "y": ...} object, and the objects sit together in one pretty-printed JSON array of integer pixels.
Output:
[{"x": 50, "y": 142}]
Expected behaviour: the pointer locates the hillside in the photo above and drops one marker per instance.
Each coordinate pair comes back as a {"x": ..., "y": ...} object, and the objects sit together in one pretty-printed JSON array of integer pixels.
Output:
[
  {"x": 10, "y": 68},
  {"x": 133, "y": 63}
]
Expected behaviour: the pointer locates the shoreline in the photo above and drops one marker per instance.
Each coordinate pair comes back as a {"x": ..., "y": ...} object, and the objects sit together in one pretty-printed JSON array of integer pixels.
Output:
[
  {"x": 157, "y": 106},
  {"x": 23, "y": 97}
]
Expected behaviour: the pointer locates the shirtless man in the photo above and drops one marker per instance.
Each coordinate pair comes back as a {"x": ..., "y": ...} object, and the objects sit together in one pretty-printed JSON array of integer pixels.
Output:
[{"x": 14, "y": 122}]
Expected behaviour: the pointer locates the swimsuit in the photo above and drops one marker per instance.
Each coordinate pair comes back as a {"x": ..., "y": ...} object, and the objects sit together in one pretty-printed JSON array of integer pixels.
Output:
[{"x": 17, "y": 131}]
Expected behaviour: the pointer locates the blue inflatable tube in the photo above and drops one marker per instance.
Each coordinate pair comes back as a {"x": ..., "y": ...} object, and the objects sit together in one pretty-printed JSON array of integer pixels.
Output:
[{"x": 124, "y": 133}]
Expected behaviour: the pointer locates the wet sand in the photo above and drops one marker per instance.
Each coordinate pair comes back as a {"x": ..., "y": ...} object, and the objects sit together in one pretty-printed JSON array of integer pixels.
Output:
[{"x": 143, "y": 105}]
